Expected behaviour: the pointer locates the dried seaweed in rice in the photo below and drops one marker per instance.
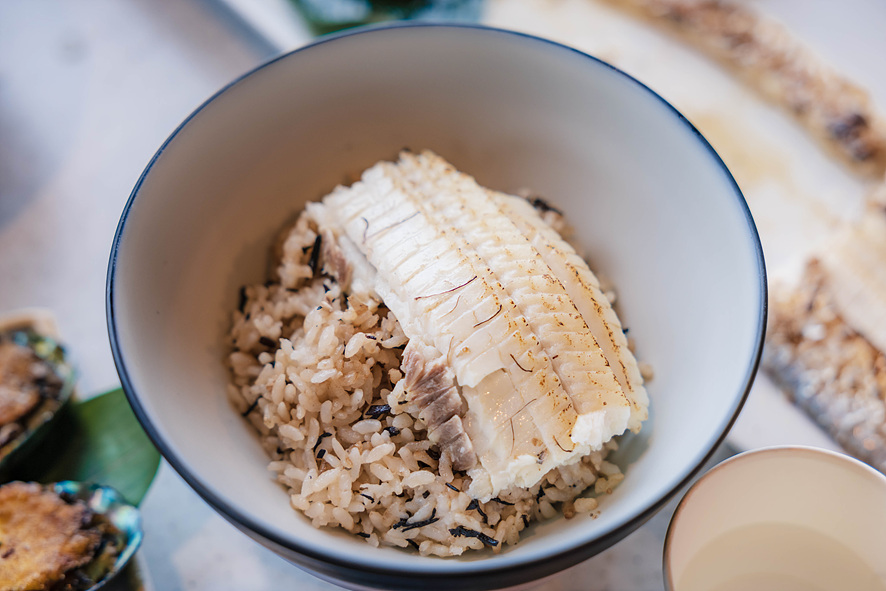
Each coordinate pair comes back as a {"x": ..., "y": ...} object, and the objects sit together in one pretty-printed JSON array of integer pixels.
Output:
[
  {"x": 462, "y": 531},
  {"x": 377, "y": 411},
  {"x": 314, "y": 261},
  {"x": 543, "y": 206},
  {"x": 252, "y": 407},
  {"x": 320, "y": 440},
  {"x": 406, "y": 526},
  {"x": 475, "y": 505}
]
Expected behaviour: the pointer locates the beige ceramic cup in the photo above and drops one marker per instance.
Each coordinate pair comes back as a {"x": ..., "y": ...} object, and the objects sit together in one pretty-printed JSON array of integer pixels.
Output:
[{"x": 780, "y": 518}]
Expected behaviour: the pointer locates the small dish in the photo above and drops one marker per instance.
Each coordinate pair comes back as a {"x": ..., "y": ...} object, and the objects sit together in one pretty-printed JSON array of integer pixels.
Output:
[
  {"x": 107, "y": 502},
  {"x": 35, "y": 329},
  {"x": 780, "y": 518}
]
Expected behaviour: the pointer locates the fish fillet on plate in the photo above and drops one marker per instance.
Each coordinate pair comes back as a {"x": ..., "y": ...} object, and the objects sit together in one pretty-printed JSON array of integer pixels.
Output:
[
  {"x": 826, "y": 342},
  {"x": 515, "y": 357}
]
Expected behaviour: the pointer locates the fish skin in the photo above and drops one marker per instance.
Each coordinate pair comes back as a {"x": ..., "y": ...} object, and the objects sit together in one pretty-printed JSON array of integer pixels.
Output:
[
  {"x": 431, "y": 384},
  {"x": 465, "y": 278}
]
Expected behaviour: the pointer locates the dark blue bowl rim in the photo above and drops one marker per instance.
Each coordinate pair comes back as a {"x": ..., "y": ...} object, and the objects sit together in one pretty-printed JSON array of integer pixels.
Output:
[{"x": 494, "y": 575}]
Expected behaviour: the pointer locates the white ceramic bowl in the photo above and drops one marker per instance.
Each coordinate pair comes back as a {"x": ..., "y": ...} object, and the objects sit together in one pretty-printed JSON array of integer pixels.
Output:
[
  {"x": 781, "y": 518},
  {"x": 650, "y": 200}
]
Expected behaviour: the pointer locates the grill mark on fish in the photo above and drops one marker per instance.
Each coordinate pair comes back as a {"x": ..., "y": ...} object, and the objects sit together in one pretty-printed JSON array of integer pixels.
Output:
[
  {"x": 366, "y": 229},
  {"x": 457, "y": 302},
  {"x": 518, "y": 364},
  {"x": 448, "y": 290},
  {"x": 490, "y": 318},
  {"x": 394, "y": 225}
]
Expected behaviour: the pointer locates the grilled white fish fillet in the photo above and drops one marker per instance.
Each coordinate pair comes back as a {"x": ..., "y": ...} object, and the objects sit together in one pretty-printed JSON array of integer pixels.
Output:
[
  {"x": 826, "y": 343},
  {"x": 515, "y": 356},
  {"x": 853, "y": 261},
  {"x": 828, "y": 367}
]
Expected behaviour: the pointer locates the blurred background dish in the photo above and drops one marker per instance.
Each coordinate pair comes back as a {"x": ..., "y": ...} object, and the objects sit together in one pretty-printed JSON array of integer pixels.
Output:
[
  {"x": 36, "y": 382},
  {"x": 780, "y": 518},
  {"x": 328, "y": 16},
  {"x": 78, "y": 449}
]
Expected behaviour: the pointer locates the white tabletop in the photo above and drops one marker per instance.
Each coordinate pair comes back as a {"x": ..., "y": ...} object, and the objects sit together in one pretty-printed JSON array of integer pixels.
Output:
[{"x": 88, "y": 91}]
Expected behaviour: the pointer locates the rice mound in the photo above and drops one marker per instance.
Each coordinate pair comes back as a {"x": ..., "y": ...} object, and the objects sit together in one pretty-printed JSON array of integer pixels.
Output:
[{"x": 317, "y": 372}]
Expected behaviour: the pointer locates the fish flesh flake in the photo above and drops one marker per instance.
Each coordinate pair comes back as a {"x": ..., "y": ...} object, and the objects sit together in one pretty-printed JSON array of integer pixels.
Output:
[{"x": 516, "y": 359}]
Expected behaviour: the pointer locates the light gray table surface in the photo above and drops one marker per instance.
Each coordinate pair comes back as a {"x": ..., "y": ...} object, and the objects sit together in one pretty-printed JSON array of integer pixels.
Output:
[{"x": 88, "y": 91}]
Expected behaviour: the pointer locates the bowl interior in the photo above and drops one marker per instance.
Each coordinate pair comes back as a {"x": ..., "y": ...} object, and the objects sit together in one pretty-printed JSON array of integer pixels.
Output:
[{"x": 650, "y": 201}]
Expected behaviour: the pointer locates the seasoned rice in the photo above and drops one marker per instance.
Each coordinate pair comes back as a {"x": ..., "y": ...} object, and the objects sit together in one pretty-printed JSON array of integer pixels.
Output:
[{"x": 317, "y": 372}]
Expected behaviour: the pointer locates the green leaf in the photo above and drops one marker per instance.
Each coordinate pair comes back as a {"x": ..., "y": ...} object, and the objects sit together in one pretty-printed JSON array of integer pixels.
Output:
[{"x": 97, "y": 440}]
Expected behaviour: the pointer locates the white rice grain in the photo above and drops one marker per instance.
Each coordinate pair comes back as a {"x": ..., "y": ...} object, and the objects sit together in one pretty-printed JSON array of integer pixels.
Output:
[
  {"x": 417, "y": 479},
  {"x": 367, "y": 426}
]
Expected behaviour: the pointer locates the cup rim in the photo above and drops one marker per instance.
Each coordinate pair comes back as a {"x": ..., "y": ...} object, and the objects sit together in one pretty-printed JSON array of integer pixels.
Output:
[
  {"x": 469, "y": 572},
  {"x": 783, "y": 450}
]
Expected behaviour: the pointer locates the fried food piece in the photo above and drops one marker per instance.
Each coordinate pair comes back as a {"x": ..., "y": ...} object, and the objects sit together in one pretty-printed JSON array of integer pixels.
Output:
[
  {"x": 42, "y": 537},
  {"x": 20, "y": 369},
  {"x": 27, "y": 381}
]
